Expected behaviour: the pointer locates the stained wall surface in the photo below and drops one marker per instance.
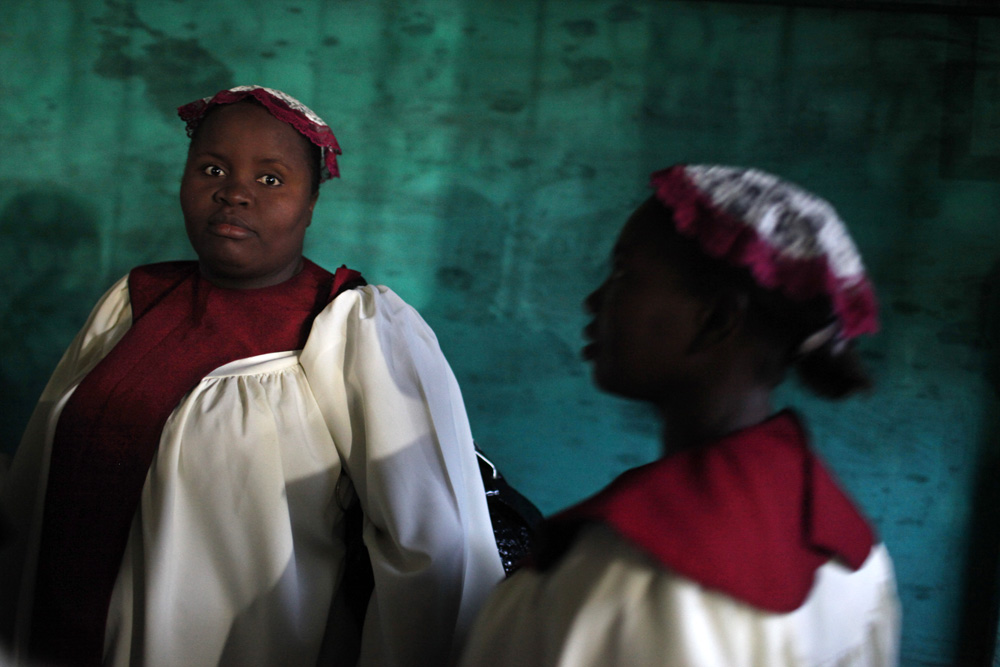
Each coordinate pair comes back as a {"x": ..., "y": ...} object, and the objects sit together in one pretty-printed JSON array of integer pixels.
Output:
[{"x": 492, "y": 149}]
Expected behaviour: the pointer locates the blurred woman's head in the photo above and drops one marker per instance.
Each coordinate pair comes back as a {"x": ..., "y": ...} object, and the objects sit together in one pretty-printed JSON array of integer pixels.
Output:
[{"x": 723, "y": 280}]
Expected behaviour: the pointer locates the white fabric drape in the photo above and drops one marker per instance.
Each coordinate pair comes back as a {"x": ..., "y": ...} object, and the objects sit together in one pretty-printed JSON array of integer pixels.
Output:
[
  {"x": 607, "y": 603},
  {"x": 236, "y": 552}
]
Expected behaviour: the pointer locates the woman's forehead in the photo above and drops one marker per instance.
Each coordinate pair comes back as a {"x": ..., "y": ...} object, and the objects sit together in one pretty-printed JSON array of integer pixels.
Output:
[
  {"x": 231, "y": 117},
  {"x": 644, "y": 228},
  {"x": 233, "y": 121}
]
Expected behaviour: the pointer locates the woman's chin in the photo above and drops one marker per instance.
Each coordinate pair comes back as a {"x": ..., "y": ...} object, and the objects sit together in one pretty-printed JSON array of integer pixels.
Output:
[
  {"x": 611, "y": 381},
  {"x": 603, "y": 378}
]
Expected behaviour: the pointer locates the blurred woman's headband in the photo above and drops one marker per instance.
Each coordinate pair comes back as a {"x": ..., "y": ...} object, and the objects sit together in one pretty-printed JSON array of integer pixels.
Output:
[
  {"x": 790, "y": 240},
  {"x": 283, "y": 107}
]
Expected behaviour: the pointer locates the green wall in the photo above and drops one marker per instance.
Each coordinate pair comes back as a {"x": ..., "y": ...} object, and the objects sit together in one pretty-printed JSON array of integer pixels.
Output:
[{"x": 493, "y": 148}]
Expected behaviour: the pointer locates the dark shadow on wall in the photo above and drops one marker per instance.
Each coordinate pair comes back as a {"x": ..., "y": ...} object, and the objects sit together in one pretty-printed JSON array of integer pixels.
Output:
[
  {"x": 966, "y": 120},
  {"x": 174, "y": 70},
  {"x": 981, "y": 597},
  {"x": 50, "y": 278}
]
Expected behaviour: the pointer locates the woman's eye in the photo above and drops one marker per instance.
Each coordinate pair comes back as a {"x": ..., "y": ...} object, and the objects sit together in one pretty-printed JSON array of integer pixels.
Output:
[
  {"x": 269, "y": 179},
  {"x": 213, "y": 170}
]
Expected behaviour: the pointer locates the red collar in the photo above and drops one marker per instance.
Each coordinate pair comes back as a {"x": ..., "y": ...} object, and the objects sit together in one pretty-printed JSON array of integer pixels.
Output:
[{"x": 753, "y": 515}]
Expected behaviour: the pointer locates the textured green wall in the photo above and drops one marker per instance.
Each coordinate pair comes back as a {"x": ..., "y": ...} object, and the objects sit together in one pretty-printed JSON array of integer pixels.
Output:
[{"x": 491, "y": 151}]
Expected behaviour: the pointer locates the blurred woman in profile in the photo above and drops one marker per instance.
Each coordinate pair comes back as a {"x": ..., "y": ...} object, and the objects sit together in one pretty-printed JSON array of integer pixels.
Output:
[
  {"x": 737, "y": 547},
  {"x": 179, "y": 496}
]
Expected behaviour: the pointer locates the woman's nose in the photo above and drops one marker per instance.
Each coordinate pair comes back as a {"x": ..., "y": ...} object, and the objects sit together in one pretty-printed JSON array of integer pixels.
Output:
[{"x": 233, "y": 194}]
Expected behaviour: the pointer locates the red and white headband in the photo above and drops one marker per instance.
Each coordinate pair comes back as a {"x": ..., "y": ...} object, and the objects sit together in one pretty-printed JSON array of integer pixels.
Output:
[
  {"x": 789, "y": 239},
  {"x": 283, "y": 107}
]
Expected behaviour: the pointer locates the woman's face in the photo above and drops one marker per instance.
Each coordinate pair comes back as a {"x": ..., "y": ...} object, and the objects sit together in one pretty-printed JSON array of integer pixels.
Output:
[
  {"x": 247, "y": 198},
  {"x": 644, "y": 320}
]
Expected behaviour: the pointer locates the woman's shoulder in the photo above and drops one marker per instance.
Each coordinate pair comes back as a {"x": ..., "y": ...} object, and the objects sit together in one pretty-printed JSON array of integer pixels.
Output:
[
  {"x": 375, "y": 319},
  {"x": 148, "y": 283},
  {"x": 613, "y": 602},
  {"x": 761, "y": 488},
  {"x": 360, "y": 300},
  {"x": 112, "y": 310},
  {"x": 108, "y": 321}
]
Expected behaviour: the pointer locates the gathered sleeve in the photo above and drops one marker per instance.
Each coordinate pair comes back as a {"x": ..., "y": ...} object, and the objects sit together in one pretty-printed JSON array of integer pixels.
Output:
[
  {"x": 395, "y": 411},
  {"x": 22, "y": 493}
]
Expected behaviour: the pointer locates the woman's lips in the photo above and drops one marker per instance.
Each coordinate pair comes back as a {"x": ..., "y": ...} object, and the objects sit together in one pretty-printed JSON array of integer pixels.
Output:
[{"x": 229, "y": 227}]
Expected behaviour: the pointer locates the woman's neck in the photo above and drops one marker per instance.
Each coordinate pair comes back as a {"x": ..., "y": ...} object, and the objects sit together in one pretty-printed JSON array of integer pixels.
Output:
[{"x": 709, "y": 416}]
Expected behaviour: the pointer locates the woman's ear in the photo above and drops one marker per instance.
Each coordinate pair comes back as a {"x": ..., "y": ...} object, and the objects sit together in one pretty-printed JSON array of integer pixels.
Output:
[
  {"x": 723, "y": 317},
  {"x": 312, "y": 205}
]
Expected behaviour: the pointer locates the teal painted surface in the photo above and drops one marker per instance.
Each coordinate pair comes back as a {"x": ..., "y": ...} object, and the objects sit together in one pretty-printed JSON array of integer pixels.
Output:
[{"x": 492, "y": 149}]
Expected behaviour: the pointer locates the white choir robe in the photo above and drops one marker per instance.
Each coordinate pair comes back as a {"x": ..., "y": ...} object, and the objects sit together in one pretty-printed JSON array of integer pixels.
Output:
[
  {"x": 605, "y": 602},
  {"x": 235, "y": 555}
]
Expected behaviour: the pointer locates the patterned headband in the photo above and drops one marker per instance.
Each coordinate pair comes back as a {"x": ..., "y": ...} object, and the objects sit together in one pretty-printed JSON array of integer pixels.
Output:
[
  {"x": 789, "y": 239},
  {"x": 283, "y": 107}
]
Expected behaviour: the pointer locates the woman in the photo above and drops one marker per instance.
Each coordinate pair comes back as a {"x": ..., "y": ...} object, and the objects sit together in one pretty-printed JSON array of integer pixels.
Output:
[
  {"x": 179, "y": 494},
  {"x": 737, "y": 547}
]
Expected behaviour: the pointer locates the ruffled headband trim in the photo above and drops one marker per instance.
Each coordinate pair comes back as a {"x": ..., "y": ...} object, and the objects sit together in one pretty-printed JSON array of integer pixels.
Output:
[{"x": 797, "y": 274}]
